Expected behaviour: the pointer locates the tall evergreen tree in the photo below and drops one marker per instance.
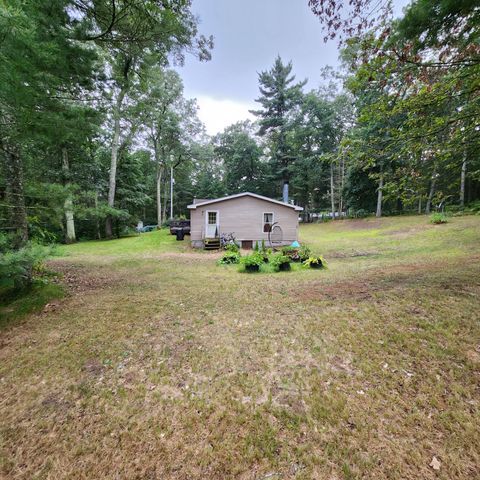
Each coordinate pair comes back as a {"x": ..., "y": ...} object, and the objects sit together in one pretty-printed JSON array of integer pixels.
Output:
[
  {"x": 38, "y": 85},
  {"x": 280, "y": 97}
]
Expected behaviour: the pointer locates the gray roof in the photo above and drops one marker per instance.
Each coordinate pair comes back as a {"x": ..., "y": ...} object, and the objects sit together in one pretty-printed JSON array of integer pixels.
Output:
[{"x": 200, "y": 202}]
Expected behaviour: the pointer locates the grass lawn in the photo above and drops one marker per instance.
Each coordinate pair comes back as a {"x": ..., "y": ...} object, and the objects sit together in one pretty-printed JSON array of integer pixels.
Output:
[{"x": 158, "y": 364}]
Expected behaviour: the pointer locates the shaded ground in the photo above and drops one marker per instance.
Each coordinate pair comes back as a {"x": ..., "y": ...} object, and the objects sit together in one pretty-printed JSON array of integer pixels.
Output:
[{"x": 159, "y": 364}]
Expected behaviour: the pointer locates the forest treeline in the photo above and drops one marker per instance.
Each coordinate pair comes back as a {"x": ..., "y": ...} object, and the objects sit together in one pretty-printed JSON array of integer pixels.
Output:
[{"x": 93, "y": 117}]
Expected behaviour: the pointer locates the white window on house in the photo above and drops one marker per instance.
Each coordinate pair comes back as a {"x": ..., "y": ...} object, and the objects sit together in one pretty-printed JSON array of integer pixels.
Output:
[
  {"x": 267, "y": 222},
  {"x": 212, "y": 218}
]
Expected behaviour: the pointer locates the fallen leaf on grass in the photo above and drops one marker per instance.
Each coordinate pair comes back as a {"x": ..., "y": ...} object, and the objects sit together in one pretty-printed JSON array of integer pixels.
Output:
[
  {"x": 49, "y": 307},
  {"x": 435, "y": 463}
]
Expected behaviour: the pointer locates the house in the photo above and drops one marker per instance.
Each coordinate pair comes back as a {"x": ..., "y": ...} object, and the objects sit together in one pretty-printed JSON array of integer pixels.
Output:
[{"x": 249, "y": 217}]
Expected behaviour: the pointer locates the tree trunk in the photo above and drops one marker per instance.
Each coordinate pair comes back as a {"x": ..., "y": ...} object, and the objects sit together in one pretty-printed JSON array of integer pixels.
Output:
[
  {"x": 99, "y": 236},
  {"x": 15, "y": 197},
  {"x": 420, "y": 204},
  {"x": 159, "y": 195},
  {"x": 342, "y": 183},
  {"x": 172, "y": 180},
  {"x": 378, "y": 214},
  {"x": 462, "y": 181},
  {"x": 164, "y": 206},
  {"x": 114, "y": 158},
  {"x": 68, "y": 204},
  {"x": 332, "y": 191},
  {"x": 428, "y": 206}
]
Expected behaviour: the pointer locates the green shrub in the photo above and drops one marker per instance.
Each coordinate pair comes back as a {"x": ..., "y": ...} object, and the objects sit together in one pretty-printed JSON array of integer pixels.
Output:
[
  {"x": 280, "y": 262},
  {"x": 473, "y": 207},
  {"x": 229, "y": 258},
  {"x": 18, "y": 267},
  {"x": 360, "y": 213},
  {"x": 452, "y": 209},
  {"x": 5, "y": 242},
  {"x": 231, "y": 247},
  {"x": 437, "y": 218},
  {"x": 39, "y": 234},
  {"x": 316, "y": 261}
]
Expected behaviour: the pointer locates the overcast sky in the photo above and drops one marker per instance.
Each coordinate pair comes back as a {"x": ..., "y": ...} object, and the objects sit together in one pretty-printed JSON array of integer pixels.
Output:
[{"x": 248, "y": 36}]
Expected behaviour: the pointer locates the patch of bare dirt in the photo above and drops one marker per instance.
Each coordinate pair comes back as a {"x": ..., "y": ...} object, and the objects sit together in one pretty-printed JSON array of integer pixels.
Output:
[
  {"x": 79, "y": 279},
  {"x": 369, "y": 285},
  {"x": 362, "y": 224},
  {"x": 353, "y": 253},
  {"x": 406, "y": 232},
  {"x": 93, "y": 367},
  {"x": 474, "y": 355},
  {"x": 342, "y": 364},
  {"x": 352, "y": 289},
  {"x": 55, "y": 402},
  {"x": 189, "y": 256}
]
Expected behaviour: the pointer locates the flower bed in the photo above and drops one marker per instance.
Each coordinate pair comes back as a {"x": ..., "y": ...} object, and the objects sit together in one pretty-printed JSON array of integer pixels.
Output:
[{"x": 265, "y": 260}]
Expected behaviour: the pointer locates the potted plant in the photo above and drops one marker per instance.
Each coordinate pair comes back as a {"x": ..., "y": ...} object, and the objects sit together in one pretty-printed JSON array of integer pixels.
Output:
[
  {"x": 264, "y": 252},
  {"x": 229, "y": 258},
  {"x": 252, "y": 262},
  {"x": 281, "y": 262},
  {"x": 264, "y": 255},
  {"x": 290, "y": 252},
  {"x": 304, "y": 253},
  {"x": 316, "y": 261},
  {"x": 296, "y": 254}
]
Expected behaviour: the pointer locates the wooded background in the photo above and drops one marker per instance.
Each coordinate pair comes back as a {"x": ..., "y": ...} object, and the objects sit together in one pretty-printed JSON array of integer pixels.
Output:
[{"x": 92, "y": 117}]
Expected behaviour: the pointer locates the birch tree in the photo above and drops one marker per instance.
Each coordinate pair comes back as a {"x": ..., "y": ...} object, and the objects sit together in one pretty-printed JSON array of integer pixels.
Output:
[
  {"x": 163, "y": 91},
  {"x": 169, "y": 124},
  {"x": 68, "y": 204}
]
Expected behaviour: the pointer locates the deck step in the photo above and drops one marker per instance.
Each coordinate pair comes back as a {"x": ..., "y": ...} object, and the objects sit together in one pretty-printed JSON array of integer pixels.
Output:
[{"x": 211, "y": 244}]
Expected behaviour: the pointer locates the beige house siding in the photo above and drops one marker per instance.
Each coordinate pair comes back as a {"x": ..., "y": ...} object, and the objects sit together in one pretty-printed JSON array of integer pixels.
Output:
[{"x": 244, "y": 218}]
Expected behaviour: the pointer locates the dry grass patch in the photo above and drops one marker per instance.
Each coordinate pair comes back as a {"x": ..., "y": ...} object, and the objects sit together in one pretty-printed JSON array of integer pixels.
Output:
[{"x": 180, "y": 369}]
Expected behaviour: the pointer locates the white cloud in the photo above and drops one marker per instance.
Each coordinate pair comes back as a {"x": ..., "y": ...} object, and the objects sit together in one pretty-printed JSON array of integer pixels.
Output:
[{"x": 217, "y": 114}]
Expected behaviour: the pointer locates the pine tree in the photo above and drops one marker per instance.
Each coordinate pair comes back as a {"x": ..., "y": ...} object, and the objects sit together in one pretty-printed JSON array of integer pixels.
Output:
[
  {"x": 280, "y": 97},
  {"x": 38, "y": 85}
]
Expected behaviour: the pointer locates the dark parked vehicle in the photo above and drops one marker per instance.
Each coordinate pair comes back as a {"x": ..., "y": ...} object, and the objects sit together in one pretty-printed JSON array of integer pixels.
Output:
[{"x": 180, "y": 225}]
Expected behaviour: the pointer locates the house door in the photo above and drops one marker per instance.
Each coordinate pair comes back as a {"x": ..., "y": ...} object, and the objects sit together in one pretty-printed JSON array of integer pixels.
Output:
[{"x": 212, "y": 227}]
